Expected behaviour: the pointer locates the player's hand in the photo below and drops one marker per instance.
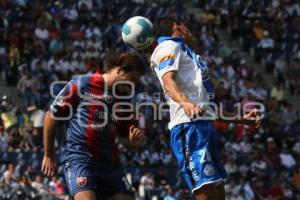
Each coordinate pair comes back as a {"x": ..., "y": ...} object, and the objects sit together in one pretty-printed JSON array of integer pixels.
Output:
[
  {"x": 49, "y": 165},
  {"x": 136, "y": 136},
  {"x": 192, "y": 110},
  {"x": 252, "y": 118}
]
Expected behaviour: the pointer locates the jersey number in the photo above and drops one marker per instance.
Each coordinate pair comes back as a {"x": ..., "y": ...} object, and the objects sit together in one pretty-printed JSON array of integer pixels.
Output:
[{"x": 204, "y": 155}]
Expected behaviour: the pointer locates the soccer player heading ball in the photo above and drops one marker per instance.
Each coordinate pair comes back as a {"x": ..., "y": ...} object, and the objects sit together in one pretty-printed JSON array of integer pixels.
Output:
[
  {"x": 185, "y": 79},
  {"x": 91, "y": 166}
]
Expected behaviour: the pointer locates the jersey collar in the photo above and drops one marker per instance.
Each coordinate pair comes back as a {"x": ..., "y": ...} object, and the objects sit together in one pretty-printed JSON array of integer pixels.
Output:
[{"x": 164, "y": 38}]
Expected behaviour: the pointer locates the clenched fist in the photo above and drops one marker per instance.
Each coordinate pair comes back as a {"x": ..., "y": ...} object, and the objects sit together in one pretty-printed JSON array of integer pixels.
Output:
[{"x": 136, "y": 135}]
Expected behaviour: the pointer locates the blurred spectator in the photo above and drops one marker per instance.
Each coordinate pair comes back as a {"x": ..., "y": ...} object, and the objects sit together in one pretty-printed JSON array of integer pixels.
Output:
[
  {"x": 169, "y": 193},
  {"x": 53, "y": 184},
  {"x": 37, "y": 118},
  {"x": 56, "y": 45},
  {"x": 266, "y": 42},
  {"x": 287, "y": 160},
  {"x": 9, "y": 184},
  {"x": 8, "y": 115},
  {"x": 11, "y": 174},
  {"x": 41, "y": 32},
  {"x": 85, "y": 4},
  {"x": 277, "y": 92},
  {"x": 147, "y": 181},
  {"x": 275, "y": 191},
  {"x": 60, "y": 187},
  {"x": 280, "y": 69},
  {"x": 29, "y": 173},
  {"x": 24, "y": 189},
  {"x": 296, "y": 179},
  {"x": 92, "y": 30},
  {"x": 38, "y": 185},
  {"x": 27, "y": 89},
  {"x": 3, "y": 140},
  {"x": 230, "y": 166},
  {"x": 71, "y": 12},
  {"x": 258, "y": 30}
]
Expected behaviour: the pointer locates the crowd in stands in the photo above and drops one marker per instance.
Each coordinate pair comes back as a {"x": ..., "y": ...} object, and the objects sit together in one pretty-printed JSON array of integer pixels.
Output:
[{"x": 46, "y": 41}]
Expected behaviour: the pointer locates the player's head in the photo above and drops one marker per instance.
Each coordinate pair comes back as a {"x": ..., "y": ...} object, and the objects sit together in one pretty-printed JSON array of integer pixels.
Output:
[
  {"x": 164, "y": 26},
  {"x": 169, "y": 26},
  {"x": 125, "y": 66}
]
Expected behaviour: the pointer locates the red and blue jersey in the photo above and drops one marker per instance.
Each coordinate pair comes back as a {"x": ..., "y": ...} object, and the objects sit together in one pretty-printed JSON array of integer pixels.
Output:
[{"x": 87, "y": 104}]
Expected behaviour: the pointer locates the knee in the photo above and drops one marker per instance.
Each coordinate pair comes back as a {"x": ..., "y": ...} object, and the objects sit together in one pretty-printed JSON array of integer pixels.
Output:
[
  {"x": 200, "y": 195},
  {"x": 207, "y": 192},
  {"x": 85, "y": 195}
]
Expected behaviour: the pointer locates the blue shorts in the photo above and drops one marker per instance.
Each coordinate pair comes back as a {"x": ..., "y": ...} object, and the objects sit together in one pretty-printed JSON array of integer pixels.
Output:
[
  {"x": 105, "y": 181},
  {"x": 197, "y": 148}
]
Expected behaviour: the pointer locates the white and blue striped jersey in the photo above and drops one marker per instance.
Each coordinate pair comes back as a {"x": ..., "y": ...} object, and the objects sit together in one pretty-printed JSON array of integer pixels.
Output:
[{"x": 193, "y": 77}]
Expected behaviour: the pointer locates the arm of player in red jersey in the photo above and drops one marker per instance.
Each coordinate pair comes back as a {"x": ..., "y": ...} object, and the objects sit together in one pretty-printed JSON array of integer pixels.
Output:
[
  {"x": 60, "y": 109},
  {"x": 49, "y": 163},
  {"x": 251, "y": 118}
]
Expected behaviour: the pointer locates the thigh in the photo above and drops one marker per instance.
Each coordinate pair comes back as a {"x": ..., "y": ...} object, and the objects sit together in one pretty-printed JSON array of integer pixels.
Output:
[
  {"x": 80, "y": 177},
  {"x": 207, "y": 192},
  {"x": 114, "y": 184},
  {"x": 85, "y": 195}
]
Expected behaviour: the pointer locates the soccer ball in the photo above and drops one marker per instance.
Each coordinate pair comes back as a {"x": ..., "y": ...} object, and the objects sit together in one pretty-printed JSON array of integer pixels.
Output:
[{"x": 137, "y": 32}]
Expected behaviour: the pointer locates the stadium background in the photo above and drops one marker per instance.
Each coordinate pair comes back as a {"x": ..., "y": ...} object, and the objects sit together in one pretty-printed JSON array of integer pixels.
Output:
[{"x": 252, "y": 48}]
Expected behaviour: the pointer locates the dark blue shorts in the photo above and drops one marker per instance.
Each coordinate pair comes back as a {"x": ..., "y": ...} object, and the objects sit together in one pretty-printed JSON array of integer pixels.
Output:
[
  {"x": 105, "y": 181},
  {"x": 197, "y": 148}
]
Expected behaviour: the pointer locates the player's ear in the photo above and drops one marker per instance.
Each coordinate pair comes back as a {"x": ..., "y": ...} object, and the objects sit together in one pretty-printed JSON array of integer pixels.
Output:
[
  {"x": 176, "y": 30},
  {"x": 175, "y": 27},
  {"x": 120, "y": 72}
]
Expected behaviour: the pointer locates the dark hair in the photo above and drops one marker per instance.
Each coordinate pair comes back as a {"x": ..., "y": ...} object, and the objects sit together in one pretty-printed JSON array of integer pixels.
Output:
[
  {"x": 129, "y": 62},
  {"x": 164, "y": 26}
]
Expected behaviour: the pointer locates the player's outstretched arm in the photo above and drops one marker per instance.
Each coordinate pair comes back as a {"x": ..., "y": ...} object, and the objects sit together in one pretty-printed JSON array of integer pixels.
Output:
[
  {"x": 49, "y": 163},
  {"x": 174, "y": 91},
  {"x": 251, "y": 118}
]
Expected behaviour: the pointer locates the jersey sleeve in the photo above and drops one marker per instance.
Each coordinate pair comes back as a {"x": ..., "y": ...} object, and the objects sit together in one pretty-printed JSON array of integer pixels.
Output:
[
  {"x": 65, "y": 102},
  {"x": 167, "y": 58}
]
